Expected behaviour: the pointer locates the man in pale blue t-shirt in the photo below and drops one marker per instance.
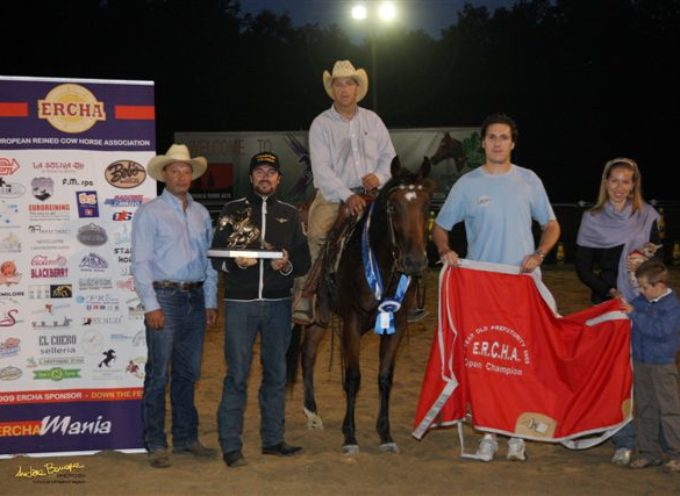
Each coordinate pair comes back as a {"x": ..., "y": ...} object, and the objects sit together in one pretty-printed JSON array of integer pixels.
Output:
[{"x": 497, "y": 202}]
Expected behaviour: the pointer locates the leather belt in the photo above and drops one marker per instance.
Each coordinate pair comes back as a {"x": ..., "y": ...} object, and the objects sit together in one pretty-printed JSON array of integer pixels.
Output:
[{"x": 182, "y": 286}]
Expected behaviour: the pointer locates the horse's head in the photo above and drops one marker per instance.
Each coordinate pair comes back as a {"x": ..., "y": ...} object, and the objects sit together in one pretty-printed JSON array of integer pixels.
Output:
[
  {"x": 449, "y": 147},
  {"x": 224, "y": 221},
  {"x": 407, "y": 205}
]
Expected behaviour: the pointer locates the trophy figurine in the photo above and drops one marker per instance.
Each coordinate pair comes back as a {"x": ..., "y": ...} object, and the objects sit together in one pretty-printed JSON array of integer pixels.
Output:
[{"x": 243, "y": 240}]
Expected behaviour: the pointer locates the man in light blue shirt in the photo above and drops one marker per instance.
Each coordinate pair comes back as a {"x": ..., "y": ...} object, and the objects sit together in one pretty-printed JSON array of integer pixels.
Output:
[
  {"x": 497, "y": 202},
  {"x": 351, "y": 153},
  {"x": 177, "y": 286}
]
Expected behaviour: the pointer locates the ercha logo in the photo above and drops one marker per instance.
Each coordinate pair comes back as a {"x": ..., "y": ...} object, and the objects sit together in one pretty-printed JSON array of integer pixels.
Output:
[{"x": 71, "y": 108}]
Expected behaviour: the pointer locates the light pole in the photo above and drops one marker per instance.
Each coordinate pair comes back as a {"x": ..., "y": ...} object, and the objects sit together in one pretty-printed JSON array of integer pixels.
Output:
[{"x": 384, "y": 12}]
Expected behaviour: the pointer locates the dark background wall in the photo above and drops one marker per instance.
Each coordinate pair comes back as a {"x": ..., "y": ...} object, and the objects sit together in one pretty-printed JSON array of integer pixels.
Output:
[{"x": 586, "y": 81}]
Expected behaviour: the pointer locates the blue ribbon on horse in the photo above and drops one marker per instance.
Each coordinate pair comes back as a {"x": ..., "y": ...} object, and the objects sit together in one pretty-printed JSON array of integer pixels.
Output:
[{"x": 384, "y": 322}]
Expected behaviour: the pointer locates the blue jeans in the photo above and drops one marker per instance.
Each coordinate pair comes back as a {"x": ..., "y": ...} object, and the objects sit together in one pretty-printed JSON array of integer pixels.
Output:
[
  {"x": 178, "y": 346},
  {"x": 243, "y": 321},
  {"x": 625, "y": 438}
]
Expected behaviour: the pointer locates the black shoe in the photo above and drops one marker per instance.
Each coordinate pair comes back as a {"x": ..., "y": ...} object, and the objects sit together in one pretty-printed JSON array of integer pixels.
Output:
[
  {"x": 281, "y": 449},
  {"x": 234, "y": 459}
]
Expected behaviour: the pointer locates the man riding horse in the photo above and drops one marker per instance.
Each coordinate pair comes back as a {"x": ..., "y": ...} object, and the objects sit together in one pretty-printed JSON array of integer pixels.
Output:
[
  {"x": 371, "y": 289},
  {"x": 351, "y": 153}
]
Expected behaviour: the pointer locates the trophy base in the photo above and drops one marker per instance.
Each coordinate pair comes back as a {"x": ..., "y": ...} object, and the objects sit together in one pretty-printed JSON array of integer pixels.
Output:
[{"x": 244, "y": 253}]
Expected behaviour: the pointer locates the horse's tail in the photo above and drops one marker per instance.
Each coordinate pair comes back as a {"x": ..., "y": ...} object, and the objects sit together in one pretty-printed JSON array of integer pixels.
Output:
[{"x": 293, "y": 356}]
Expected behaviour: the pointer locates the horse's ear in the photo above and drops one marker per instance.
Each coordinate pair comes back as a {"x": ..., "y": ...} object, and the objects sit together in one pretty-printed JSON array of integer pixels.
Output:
[
  {"x": 395, "y": 166},
  {"x": 430, "y": 185},
  {"x": 425, "y": 167}
]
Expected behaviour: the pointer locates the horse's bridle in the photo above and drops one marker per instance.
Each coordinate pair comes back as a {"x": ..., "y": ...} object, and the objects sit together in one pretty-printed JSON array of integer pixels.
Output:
[{"x": 389, "y": 210}]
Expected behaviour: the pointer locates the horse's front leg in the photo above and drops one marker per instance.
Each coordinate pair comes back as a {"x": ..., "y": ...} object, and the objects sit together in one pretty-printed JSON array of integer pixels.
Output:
[
  {"x": 389, "y": 344},
  {"x": 310, "y": 346},
  {"x": 351, "y": 340}
]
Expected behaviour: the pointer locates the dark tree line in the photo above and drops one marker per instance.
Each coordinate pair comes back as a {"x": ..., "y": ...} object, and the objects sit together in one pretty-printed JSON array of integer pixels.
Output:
[{"x": 586, "y": 80}]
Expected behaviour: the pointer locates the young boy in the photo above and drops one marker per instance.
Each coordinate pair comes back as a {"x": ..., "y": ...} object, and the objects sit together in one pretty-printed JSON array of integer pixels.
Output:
[{"x": 655, "y": 316}]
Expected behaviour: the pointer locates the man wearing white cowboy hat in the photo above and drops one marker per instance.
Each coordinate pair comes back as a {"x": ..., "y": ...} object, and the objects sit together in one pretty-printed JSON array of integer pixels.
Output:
[
  {"x": 351, "y": 152},
  {"x": 177, "y": 286}
]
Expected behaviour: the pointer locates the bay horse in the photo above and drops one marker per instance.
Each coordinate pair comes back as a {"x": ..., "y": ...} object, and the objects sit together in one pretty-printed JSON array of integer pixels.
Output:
[
  {"x": 395, "y": 231},
  {"x": 450, "y": 147}
]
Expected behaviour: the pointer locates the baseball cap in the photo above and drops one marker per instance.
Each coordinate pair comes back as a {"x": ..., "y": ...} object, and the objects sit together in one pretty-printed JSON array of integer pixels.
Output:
[{"x": 265, "y": 158}]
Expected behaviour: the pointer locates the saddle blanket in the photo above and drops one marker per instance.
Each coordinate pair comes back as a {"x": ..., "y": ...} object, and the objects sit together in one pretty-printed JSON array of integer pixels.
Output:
[{"x": 502, "y": 355}]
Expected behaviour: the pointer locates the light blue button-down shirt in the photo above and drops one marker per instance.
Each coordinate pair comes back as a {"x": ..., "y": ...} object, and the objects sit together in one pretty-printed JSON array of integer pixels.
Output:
[
  {"x": 343, "y": 151},
  {"x": 169, "y": 244}
]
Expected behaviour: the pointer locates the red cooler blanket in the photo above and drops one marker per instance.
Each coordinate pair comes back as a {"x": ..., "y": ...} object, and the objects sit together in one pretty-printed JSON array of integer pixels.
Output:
[{"x": 502, "y": 354}]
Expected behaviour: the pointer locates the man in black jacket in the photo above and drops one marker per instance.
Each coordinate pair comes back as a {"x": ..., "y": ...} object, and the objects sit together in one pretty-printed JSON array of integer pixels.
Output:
[{"x": 258, "y": 299}]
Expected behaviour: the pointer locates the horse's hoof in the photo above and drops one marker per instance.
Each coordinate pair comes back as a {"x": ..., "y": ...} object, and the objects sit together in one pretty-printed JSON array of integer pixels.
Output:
[
  {"x": 390, "y": 448},
  {"x": 314, "y": 422},
  {"x": 350, "y": 449}
]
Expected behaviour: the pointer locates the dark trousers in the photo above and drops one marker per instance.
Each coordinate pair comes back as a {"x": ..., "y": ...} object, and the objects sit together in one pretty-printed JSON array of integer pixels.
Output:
[
  {"x": 174, "y": 355},
  {"x": 243, "y": 321},
  {"x": 658, "y": 409}
]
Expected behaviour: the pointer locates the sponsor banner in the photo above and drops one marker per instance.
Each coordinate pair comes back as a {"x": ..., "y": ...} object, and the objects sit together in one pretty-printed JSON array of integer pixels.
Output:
[
  {"x": 454, "y": 151},
  {"x": 501, "y": 353},
  {"x": 76, "y": 426},
  {"x": 85, "y": 114},
  {"x": 70, "y": 396},
  {"x": 72, "y": 174}
]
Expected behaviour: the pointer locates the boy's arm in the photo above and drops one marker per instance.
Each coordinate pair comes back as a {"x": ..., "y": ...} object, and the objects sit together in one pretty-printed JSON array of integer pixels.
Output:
[{"x": 656, "y": 322}]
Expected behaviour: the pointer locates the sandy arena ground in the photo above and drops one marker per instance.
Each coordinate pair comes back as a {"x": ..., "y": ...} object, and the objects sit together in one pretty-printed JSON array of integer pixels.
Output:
[{"x": 428, "y": 467}]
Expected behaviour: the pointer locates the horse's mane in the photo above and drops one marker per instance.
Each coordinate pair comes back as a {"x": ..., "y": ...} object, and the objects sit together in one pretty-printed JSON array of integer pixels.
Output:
[{"x": 378, "y": 229}]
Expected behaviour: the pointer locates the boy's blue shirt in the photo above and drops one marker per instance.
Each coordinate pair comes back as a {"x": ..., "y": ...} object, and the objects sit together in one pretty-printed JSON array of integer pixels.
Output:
[{"x": 655, "y": 329}]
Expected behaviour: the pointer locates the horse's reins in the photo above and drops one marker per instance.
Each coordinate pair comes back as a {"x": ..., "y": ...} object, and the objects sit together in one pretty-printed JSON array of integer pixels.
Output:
[
  {"x": 389, "y": 210},
  {"x": 387, "y": 306}
]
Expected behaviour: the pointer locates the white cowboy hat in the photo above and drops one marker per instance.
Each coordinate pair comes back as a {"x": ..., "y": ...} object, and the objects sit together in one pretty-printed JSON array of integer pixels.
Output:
[
  {"x": 345, "y": 69},
  {"x": 176, "y": 153}
]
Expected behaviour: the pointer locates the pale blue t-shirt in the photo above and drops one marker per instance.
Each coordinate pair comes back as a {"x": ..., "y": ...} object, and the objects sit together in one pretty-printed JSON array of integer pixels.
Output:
[{"x": 497, "y": 211}]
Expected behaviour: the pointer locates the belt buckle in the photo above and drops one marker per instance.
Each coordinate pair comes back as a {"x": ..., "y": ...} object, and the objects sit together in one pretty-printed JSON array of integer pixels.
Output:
[
  {"x": 167, "y": 285},
  {"x": 189, "y": 286},
  {"x": 182, "y": 286}
]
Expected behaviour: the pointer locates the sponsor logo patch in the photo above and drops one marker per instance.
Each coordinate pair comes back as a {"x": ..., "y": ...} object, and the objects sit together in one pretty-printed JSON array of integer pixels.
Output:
[
  {"x": 87, "y": 204},
  {"x": 42, "y": 187},
  {"x": 92, "y": 235},
  {"x": 11, "y": 190},
  {"x": 125, "y": 174}
]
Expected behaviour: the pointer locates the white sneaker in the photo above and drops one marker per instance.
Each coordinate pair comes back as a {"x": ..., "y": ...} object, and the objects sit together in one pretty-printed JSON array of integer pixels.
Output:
[
  {"x": 487, "y": 448},
  {"x": 516, "y": 449},
  {"x": 622, "y": 457}
]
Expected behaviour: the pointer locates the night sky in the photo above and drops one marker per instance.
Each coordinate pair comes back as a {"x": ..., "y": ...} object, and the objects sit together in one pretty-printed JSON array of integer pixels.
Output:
[
  {"x": 429, "y": 15},
  {"x": 576, "y": 84}
]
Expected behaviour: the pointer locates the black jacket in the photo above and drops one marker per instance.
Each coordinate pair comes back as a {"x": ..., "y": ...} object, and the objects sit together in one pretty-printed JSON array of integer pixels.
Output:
[
  {"x": 598, "y": 268},
  {"x": 283, "y": 229}
]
